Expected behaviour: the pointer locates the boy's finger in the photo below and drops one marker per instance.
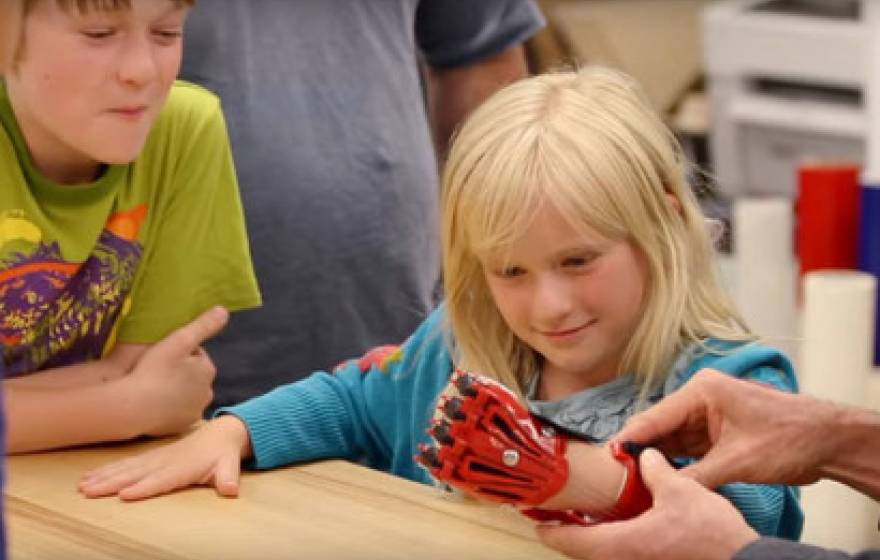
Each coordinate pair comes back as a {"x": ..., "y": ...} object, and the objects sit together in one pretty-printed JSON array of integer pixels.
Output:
[{"x": 188, "y": 339}]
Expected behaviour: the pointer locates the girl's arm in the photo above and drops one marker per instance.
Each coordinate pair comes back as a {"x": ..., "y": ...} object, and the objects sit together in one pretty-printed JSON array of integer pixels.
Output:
[{"x": 357, "y": 412}]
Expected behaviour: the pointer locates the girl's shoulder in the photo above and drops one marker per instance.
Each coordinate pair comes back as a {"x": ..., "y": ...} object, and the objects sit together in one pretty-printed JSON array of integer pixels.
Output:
[{"x": 745, "y": 360}]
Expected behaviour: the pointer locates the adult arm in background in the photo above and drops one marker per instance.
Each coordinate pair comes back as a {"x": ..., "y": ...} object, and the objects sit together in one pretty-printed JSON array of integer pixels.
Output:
[
  {"x": 471, "y": 50},
  {"x": 137, "y": 389},
  {"x": 455, "y": 91},
  {"x": 747, "y": 432}
]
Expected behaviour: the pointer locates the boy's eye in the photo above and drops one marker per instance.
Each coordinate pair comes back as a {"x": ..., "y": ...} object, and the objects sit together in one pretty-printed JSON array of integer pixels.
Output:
[
  {"x": 170, "y": 34},
  {"x": 99, "y": 33}
]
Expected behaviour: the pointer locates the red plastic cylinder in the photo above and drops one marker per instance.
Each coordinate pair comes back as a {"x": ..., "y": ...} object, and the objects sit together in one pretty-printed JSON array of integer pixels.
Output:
[{"x": 828, "y": 216}]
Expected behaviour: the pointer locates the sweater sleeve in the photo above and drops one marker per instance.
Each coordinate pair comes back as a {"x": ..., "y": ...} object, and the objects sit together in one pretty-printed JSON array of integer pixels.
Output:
[
  {"x": 360, "y": 411},
  {"x": 776, "y": 549},
  {"x": 773, "y": 510}
]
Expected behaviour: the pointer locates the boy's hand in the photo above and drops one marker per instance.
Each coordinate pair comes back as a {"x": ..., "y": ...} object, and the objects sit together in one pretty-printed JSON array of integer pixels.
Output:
[
  {"x": 209, "y": 456},
  {"x": 170, "y": 385}
]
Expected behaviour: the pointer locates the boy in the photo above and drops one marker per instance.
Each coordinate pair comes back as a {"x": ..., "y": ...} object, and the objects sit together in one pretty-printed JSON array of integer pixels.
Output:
[
  {"x": 119, "y": 221},
  {"x": 9, "y": 21}
]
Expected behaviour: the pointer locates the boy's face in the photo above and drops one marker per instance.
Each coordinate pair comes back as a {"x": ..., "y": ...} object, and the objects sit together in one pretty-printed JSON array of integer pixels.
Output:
[
  {"x": 10, "y": 19},
  {"x": 86, "y": 87}
]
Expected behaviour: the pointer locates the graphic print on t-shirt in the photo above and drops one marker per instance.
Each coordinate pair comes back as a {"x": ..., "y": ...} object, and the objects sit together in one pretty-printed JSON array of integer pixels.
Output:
[{"x": 54, "y": 312}]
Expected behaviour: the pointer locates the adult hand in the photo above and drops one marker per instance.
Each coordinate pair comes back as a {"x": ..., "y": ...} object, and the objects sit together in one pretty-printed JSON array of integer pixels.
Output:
[
  {"x": 170, "y": 385},
  {"x": 686, "y": 522},
  {"x": 210, "y": 455},
  {"x": 744, "y": 431}
]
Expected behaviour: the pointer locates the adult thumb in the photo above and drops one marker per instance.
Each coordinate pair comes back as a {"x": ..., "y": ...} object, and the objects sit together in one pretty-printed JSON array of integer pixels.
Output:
[
  {"x": 188, "y": 338},
  {"x": 655, "y": 469}
]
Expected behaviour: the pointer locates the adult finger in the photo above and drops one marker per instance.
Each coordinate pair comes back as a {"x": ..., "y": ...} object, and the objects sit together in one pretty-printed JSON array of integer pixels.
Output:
[
  {"x": 664, "y": 419},
  {"x": 581, "y": 542},
  {"x": 717, "y": 467},
  {"x": 655, "y": 470}
]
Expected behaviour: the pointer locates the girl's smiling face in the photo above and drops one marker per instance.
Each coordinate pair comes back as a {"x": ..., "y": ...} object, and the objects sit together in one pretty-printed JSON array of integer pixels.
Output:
[
  {"x": 87, "y": 86},
  {"x": 576, "y": 299}
]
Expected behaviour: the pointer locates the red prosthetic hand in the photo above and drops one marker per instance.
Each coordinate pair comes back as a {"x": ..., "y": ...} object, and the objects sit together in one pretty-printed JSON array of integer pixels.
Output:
[{"x": 489, "y": 445}]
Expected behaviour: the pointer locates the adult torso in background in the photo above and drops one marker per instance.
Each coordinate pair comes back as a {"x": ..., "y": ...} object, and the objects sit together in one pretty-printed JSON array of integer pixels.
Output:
[{"x": 337, "y": 170}]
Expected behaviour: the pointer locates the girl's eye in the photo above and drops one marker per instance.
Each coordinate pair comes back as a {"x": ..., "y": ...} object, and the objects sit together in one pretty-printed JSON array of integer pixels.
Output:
[
  {"x": 578, "y": 261},
  {"x": 511, "y": 272}
]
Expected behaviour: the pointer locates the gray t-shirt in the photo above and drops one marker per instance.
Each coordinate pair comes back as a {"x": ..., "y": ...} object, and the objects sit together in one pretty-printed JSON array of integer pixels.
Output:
[
  {"x": 778, "y": 549},
  {"x": 338, "y": 174}
]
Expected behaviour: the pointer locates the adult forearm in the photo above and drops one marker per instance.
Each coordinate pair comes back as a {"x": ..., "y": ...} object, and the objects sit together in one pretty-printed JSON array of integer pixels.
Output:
[
  {"x": 41, "y": 418},
  {"x": 777, "y": 549},
  {"x": 855, "y": 458},
  {"x": 453, "y": 92}
]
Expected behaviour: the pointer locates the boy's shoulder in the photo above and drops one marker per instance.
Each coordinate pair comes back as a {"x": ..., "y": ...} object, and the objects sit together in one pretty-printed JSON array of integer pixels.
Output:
[
  {"x": 190, "y": 121},
  {"x": 190, "y": 100}
]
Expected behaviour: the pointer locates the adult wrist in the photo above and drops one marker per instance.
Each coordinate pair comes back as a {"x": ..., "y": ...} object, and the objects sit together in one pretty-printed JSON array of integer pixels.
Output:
[{"x": 854, "y": 459}]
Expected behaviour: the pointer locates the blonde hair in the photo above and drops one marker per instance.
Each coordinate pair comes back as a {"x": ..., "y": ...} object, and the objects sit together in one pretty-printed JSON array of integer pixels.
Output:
[
  {"x": 587, "y": 143},
  {"x": 85, "y": 6}
]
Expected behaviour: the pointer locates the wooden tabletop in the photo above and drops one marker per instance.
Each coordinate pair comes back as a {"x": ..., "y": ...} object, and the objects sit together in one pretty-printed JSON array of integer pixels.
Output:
[{"x": 323, "y": 510}]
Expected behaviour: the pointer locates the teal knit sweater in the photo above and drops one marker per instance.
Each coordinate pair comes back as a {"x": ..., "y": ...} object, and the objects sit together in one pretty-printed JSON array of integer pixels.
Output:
[{"x": 377, "y": 410}]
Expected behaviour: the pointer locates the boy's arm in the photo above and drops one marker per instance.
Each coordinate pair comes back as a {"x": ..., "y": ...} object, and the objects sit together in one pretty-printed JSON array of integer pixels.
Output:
[
  {"x": 114, "y": 366},
  {"x": 39, "y": 418},
  {"x": 166, "y": 391}
]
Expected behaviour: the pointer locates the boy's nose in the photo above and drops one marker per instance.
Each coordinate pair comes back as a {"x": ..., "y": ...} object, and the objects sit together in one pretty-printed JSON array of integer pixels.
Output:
[{"x": 138, "y": 65}]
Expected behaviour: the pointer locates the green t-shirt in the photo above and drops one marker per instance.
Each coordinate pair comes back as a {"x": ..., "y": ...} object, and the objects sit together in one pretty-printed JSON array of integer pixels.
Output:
[{"x": 128, "y": 258}]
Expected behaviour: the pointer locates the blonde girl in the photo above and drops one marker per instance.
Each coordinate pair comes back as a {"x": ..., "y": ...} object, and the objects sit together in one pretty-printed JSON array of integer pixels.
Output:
[{"x": 578, "y": 273}]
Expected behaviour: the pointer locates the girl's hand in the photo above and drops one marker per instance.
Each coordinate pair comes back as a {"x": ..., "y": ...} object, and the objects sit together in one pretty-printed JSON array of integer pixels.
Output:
[{"x": 209, "y": 456}]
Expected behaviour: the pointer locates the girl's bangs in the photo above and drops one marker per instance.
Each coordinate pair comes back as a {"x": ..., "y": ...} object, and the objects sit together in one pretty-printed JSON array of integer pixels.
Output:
[{"x": 504, "y": 194}]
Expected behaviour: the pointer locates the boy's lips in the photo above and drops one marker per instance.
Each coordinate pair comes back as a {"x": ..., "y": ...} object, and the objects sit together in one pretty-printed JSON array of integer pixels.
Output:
[{"x": 132, "y": 111}]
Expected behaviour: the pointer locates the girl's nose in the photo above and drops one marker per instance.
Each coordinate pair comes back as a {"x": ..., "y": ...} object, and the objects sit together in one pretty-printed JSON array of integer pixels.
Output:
[{"x": 553, "y": 298}]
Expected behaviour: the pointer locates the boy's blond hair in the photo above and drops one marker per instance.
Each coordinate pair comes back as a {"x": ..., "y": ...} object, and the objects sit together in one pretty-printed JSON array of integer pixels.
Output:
[
  {"x": 83, "y": 6},
  {"x": 588, "y": 144},
  {"x": 88, "y": 5}
]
